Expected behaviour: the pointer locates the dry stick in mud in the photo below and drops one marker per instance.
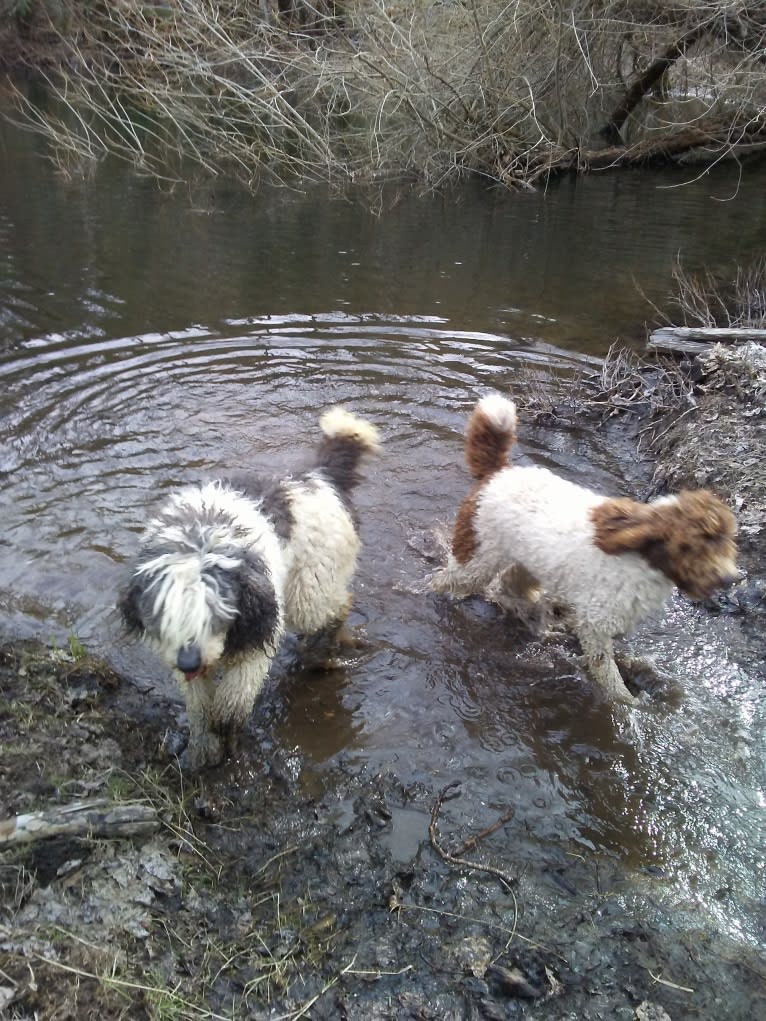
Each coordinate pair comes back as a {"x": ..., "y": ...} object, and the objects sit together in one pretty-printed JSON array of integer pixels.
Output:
[
  {"x": 85, "y": 818},
  {"x": 456, "y": 860}
]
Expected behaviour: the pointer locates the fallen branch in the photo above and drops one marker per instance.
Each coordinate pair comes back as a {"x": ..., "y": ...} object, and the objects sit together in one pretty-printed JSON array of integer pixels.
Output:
[
  {"x": 86, "y": 818},
  {"x": 670, "y": 985},
  {"x": 695, "y": 339},
  {"x": 471, "y": 843},
  {"x": 713, "y": 137}
]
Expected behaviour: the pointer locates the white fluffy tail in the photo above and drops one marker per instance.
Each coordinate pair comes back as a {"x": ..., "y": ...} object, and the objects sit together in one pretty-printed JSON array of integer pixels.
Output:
[
  {"x": 337, "y": 423},
  {"x": 499, "y": 411},
  {"x": 345, "y": 441}
]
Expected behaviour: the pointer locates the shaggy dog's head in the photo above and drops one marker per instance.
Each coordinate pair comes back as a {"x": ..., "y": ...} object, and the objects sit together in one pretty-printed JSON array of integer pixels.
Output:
[
  {"x": 195, "y": 602},
  {"x": 689, "y": 537}
]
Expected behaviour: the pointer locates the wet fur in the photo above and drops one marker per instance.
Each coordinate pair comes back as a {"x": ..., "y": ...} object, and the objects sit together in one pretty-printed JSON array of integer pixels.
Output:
[
  {"x": 223, "y": 571},
  {"x": 529, "y": 538}
]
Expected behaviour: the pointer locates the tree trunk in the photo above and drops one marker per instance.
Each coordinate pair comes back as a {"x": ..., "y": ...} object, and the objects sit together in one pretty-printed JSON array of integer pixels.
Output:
[{"x": 650, "y": 77}]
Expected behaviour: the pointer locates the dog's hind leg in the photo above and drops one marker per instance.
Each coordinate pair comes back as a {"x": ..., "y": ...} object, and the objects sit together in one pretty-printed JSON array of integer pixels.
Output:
[
  {"x": 599, "y": 657},
  {"x": 458, "y": 580},
  {"x": 324, "y": 649}
]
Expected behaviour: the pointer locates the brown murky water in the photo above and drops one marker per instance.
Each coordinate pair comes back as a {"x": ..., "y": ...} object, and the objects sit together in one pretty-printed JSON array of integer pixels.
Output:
[{"x": 148, "y": 340}]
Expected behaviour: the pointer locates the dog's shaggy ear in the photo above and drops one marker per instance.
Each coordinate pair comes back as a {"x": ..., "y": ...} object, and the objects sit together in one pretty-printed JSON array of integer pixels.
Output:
[
  {"x": 622, "y": 526},
  {"x": 257, "y": 612},
  {"x": 136, "y": 602},
  {"x": 129, "y": 606}
]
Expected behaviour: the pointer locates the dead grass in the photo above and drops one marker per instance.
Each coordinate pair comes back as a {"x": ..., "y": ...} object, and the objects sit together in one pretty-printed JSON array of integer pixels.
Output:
[
  {"x": 624, "y": 382},
  {"x": 222, "y": 936},
  {"x": 736, "y": 300}
]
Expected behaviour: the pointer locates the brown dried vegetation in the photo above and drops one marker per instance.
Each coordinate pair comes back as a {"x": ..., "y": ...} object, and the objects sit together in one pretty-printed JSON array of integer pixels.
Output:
[{"x": 372, "y": 89}]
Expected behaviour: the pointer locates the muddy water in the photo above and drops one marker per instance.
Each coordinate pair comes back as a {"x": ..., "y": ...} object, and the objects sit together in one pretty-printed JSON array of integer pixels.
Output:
[{"x": 148, "y": 340}]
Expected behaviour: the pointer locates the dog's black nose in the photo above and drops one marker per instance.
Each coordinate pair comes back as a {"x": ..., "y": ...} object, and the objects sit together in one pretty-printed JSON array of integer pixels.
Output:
[{"x": 189, "y": 659}]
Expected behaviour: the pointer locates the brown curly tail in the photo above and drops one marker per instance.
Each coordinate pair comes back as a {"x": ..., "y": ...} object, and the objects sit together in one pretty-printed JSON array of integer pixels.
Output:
[{"x": 490, "y": 434}]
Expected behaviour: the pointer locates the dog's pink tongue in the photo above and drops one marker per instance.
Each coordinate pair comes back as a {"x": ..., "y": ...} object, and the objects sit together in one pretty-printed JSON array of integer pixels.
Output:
[{"x": 192, "y": 674}]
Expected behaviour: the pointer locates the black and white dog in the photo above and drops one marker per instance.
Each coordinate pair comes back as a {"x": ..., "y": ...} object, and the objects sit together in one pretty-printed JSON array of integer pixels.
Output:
[{"x": 223, "y": 572}]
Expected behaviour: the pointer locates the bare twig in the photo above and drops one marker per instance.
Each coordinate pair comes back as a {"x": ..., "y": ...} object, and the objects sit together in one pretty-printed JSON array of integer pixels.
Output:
[
  {"x": 456, "y": 860},
  {"x": 670, "y": 985}
]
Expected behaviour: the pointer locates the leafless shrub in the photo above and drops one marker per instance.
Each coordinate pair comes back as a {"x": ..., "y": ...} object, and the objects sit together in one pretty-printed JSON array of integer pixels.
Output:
[
  {"x": 182, "y": 84},
  {"x": 509, "y": 89},
  {"x": 707, "y": 299},
  {"x": 624, "y": 381}
]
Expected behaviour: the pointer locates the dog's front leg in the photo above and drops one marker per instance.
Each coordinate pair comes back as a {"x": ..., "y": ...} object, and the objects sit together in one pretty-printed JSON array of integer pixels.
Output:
[
  {"x": 204, "y": 747},
  {"x": 599, "y": 656},
  {"x": 237, "y": 691}
]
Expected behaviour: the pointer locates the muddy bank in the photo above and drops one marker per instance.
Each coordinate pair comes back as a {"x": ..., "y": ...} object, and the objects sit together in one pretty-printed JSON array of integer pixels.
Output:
[
  {"x": 251, "y": 897},
  {"x": 267, "y": 889},
  {"x": 716, "y": 438}
]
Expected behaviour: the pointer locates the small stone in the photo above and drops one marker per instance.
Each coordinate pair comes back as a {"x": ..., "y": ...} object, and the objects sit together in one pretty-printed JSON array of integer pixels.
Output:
[
  {"x": 514, "y": 982},
  {"x": 648, "y": 1011}
]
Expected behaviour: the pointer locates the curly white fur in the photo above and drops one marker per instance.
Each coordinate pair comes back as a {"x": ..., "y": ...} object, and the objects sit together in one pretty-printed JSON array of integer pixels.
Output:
[{"x": 525, "y": 534}]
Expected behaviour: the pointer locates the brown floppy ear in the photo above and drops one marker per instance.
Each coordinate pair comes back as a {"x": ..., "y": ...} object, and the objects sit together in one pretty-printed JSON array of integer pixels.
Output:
[{"x": 623, "y": 525}]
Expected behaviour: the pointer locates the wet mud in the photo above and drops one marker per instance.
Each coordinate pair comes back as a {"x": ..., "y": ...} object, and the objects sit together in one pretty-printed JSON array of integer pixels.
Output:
[
  {"x": 270, "y": 889},
  {"x": 254, "y": 898}
]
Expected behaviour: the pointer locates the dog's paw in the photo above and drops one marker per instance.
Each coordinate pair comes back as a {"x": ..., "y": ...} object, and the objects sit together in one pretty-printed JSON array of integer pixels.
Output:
[
  {"x": 202, "y": 754},
  {"x": 438, "y": 581},
  {"x": 334, "y": 650},
  {"x": 625, "y": 697},
  {"x": 646, "y": 680}
]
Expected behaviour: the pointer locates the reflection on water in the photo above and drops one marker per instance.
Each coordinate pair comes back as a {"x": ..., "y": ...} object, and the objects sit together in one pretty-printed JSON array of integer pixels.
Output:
[
  {"x": 148, "y": 342},
  {"x": 574, "y": 267}
]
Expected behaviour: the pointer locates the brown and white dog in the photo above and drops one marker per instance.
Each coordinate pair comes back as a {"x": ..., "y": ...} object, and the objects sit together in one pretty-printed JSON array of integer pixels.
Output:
[{"x": 528, "y": 535}]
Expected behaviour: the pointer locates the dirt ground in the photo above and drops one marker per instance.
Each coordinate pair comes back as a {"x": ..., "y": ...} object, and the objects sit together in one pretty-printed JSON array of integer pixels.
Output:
[{"x": 255, "y": 892}]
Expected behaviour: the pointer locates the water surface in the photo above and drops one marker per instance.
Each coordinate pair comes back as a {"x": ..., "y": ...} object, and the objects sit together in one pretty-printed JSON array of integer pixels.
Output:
[{"x": 152, "y": 339}]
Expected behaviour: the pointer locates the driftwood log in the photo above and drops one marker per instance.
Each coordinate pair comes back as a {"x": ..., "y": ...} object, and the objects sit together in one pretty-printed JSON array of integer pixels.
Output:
[
  {"x": 83, "y": 818},
  {"x": 694, "y": 340}
]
